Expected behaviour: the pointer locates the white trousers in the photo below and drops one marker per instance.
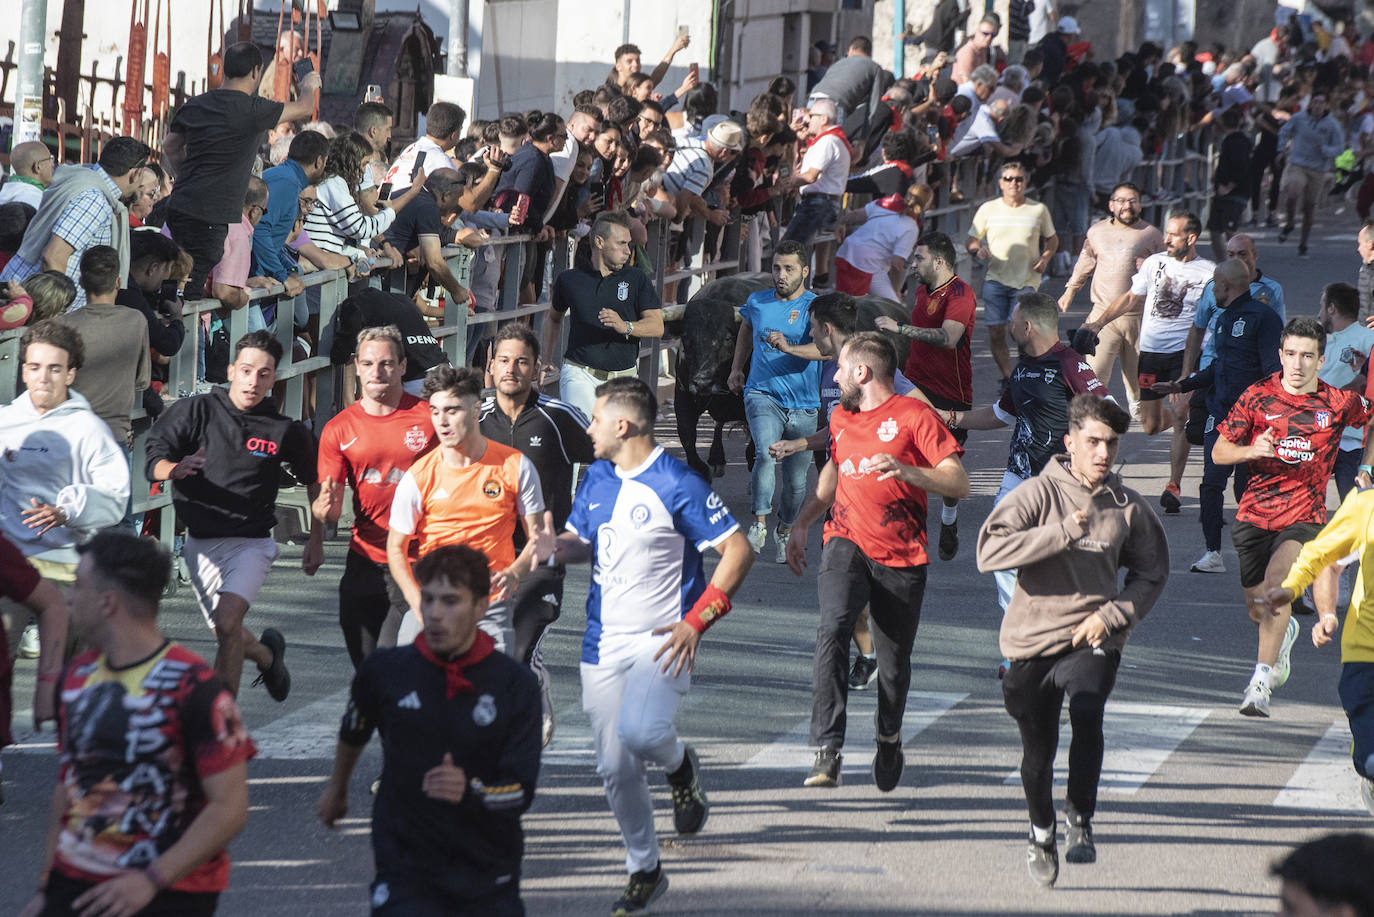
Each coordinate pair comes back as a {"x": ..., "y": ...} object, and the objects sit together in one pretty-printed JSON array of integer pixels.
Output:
[{"x": 631, "y": 703}]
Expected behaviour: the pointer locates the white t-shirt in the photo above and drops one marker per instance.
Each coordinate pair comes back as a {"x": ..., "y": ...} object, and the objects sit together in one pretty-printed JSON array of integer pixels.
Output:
[
  {"x": 831, "y": 157},
  {"x": 426, "y": 151},
  {"x": 1346, "y": 351},
  {"x": 870, "y": 248},
  {"x": 563, "y": 162},
  {"x": 1171, "y": 289}
]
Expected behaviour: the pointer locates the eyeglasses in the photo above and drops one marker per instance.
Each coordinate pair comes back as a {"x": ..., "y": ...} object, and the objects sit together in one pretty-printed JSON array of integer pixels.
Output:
[
  {"x": 1015, "y": 179},
  {"x": 987, "y": 34},
  {"x": 307, "y": 203},
  {"x": 1133, "y": 201},
  {"x": 258, "y": 207}
]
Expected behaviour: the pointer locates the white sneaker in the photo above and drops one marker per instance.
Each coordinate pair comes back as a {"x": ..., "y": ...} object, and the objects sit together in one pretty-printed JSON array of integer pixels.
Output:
[
  {"x": 1256, "y": 702},
  {"x": 1135, "y": 410},
  {"x": 782, "y": 538},
  {"x": 28, "y": 642},
  {"x": 757, "y": 536},
  {"x": 1284, "y": 664},
  {"x": 1209, "y": 562}
]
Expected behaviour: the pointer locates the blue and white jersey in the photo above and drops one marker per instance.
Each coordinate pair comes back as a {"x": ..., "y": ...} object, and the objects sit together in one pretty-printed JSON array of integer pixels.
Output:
[{"x": 647, "y": 529}]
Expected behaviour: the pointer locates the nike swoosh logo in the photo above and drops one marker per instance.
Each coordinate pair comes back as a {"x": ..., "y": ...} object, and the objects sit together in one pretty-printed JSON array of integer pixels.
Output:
[
  {"x": 1272, "y": 416},
  {"x": 349, "y": 443},
  {"x": 593, "y": 505}
]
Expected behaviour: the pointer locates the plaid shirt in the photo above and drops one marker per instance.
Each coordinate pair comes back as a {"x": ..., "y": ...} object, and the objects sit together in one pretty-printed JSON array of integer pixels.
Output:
[{"x": 88, "y": 220}]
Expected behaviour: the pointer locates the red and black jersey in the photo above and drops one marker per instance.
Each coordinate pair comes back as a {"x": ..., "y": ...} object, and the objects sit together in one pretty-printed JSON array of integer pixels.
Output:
[
  {"x": 1291, "y": 487},
  {"x": 134, "y": 743},
  {"x": 944, "y": 374}
]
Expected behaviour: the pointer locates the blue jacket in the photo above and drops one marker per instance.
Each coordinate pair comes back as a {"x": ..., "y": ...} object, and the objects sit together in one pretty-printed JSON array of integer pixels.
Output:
[
  {"x": 1247, "y": 350},
  {"x": 284, "y": 185}
]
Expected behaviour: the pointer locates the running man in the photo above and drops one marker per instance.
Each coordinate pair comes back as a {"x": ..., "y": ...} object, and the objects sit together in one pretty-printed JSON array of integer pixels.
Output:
[
  {"x": 1288, "y": 428},
  {"x": 1069, "y": 532},
  {"x": 460, "y": 752},
  {"x": 1167, "y": 288},
  {"x": 468, "y": 491},
  {"x": 552, "y": 434},
  {"x": 223, "y": 452},
  {"x": 886, "y": 452},
  {"x": 643, "y": 518},
  {"x": 940, "y": 362},
  {"x": 369, "y": 445},
  {"x": 1347, "y": 533}
]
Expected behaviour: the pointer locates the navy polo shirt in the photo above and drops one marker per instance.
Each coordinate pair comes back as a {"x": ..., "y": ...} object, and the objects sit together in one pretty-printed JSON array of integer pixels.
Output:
[{"x": 583, "y": 292}]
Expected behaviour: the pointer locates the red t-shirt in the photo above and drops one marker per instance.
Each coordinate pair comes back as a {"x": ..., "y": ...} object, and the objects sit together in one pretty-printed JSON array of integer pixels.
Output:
[
  {"x": 1291, "y": 487},
  {"x": 886, "y": 519},
  {"x": 133, "y": 746},
  {"x": 940, "y": 372},
  {"x": 372, "y": 454},
  {"x": 18, "y": 580}
]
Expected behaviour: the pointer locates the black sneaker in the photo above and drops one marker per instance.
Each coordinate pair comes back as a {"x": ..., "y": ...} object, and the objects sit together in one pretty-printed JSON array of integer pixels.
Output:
[
  {"x": 1042, "y": 862},
  {"x": 644, "y": 889},
  {"x": 949, "y": 540},
  {"x": 276, "y": 678},
  {"x": 887, "y": 764},
  {"x": 1078, "y": 838},
  {"x": 1285, "y": 232},
  {"x": 863, "y": 672},
  {"x": 1302, "y": 251},
  {"x": 826, "y": 770},
  {"x": 1170, "y": 501},
  {"x": 689, "y": 802}
]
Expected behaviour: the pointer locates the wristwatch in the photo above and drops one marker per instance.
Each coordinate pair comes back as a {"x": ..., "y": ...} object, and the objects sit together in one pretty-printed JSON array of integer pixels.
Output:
[{"x": 629, "y": 329}]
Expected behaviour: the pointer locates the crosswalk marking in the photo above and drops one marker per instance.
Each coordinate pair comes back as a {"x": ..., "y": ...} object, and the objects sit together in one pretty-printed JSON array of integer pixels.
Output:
[
  {"x": 793, "y": 750},
  {"x": 1325, "y": 780},
  {"x": 1139, "y": 737},
  {"x": 306, "y": 734}
]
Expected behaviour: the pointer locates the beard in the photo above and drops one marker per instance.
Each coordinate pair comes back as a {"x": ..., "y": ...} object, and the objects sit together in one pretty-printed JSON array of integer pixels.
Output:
[
  {"x": 850, "y": 399},
  {"x": 786, "y": 289}
]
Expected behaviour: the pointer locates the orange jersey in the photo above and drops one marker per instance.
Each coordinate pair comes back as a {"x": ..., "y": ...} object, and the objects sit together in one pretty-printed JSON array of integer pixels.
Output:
[
  {"x": 477, "y": 505},
  {"x": 372, "y": 454}
]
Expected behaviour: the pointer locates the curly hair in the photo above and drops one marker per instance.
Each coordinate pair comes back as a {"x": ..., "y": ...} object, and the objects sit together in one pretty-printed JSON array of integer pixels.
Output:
[{"x": 348, "y": 155}]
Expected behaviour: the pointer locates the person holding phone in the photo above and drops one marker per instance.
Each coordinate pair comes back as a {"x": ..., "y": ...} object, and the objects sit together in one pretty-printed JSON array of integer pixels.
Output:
[{"x": 210, "y": 148}]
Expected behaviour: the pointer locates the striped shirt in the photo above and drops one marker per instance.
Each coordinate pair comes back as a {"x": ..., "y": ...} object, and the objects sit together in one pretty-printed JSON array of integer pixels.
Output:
[
  {"x": 86, "y": 221},
  {"x": 338, "y": 225},
  {"x": 691, "y": 169}
]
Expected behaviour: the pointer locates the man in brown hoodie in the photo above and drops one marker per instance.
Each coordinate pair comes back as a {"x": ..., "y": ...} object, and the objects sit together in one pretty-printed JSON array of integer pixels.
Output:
[{"x": 1070, "y": 530}]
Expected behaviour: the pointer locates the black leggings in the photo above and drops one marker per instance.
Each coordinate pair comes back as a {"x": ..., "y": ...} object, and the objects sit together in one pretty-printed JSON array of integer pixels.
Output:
[
  {"x": 1033, "y": 690},
  {"x": 62, "y": 891}
]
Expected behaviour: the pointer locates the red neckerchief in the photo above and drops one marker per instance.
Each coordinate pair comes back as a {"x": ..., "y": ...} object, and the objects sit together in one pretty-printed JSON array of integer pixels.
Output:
[
  {"x": 835, "y": 131},
  {"x": 894, "y": 202},
  {"x": 456, "y": 682},
  {"x": 896, "y": 114},
  {"x": 901, "y": 167}
]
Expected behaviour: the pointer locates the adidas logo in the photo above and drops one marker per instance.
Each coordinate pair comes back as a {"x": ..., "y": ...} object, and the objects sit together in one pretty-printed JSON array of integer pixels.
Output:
[
  {"x": 536, "y": 441},
  {"x": 410, "y": 702}
]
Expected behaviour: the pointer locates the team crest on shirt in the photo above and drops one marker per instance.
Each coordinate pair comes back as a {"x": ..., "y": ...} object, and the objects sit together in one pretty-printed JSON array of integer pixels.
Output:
[
  {"x": 1323, "y": 419},
  {"x": 793, "y": 316},
  {"x": 492, "y": 489},
  {"x": 639, "y": 516},
  {"x": 887, "y": 430},
  {"x": 1238, "y": 329},
  {"x": 416, "y": 438},
  {"x": 484, "y": 713},
  {"x": 622, "y": 291}
]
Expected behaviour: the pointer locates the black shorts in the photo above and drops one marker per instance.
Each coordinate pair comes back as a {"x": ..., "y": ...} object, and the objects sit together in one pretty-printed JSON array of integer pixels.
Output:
[
  {"x": 947, "y": 404},
  {"x": 1254, "y": 546},
  {"x": 63, "y": 890},
  {"x": 1158, "y": 367},
  {"x": 1226, "y": 214},
  {"x": 418, "y": 898}
]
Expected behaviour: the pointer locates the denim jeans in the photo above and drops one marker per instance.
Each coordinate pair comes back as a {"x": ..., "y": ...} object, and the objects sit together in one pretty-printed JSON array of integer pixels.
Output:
[
  {"x": 815, "y": 213},
  {"x": 768, "y": 423}
]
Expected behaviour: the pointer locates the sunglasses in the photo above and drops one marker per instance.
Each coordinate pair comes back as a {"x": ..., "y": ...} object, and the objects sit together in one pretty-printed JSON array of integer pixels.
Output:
[{"x": 1015, "y": 179}]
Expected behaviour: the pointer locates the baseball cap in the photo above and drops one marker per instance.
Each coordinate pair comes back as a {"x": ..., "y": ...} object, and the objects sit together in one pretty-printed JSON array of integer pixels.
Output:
[{"x": 1068, "y": 25}]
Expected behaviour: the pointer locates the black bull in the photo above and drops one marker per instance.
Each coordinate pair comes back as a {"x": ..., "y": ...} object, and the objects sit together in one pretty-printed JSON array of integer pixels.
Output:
[{"x": 708, "y": 329}]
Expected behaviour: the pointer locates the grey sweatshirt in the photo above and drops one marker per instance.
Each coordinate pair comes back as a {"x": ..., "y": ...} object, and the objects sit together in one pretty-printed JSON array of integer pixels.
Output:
[{"x": 1065, "y": 571}]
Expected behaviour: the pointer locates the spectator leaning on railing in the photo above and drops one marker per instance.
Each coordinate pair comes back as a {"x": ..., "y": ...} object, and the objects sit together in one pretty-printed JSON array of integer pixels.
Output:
[{"x": 303, "y": 168}]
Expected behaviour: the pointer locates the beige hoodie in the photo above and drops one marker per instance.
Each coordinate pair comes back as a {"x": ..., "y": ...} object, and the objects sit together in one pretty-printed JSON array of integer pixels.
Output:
[{"x": 1067, "y": 572}]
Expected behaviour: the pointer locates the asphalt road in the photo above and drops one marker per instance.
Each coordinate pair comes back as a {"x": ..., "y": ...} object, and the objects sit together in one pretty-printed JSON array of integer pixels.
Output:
[{"x": 1197, "y": 801}]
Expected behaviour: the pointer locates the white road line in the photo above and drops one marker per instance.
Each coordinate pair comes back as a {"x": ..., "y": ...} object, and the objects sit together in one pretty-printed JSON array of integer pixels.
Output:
[
  {"x": 793, "y": 750},
  {"x": 1326, "y": 779},
  {"x": 307, "y": 734},
  {"x": 1139, "y": 737}
]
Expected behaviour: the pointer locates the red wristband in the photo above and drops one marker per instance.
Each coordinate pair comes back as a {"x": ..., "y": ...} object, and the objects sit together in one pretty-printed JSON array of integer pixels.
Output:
[{"x": 711, "y": 607}]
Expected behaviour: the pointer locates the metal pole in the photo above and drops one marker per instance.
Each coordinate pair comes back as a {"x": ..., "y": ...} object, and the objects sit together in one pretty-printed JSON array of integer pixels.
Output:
[
  {"x": 458, "y": 38},
  {"x": 898, "y": 41},
  {"x": 28, "y": 107}
]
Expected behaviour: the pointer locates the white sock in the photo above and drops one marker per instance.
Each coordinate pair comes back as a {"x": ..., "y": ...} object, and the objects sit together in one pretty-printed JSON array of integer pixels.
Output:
[
  {"x": 1262, "y": 671},
  {"x": 871, "y": 657},
  {"x": 1042, "y": 835},
  {"x": 949, "y": 514}
]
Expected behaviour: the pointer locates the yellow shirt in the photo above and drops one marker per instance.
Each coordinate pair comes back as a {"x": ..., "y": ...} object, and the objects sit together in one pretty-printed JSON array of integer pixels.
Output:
[
  {"x": 1350, "y": 530},
  {"x": 1016, "y": 237}
]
